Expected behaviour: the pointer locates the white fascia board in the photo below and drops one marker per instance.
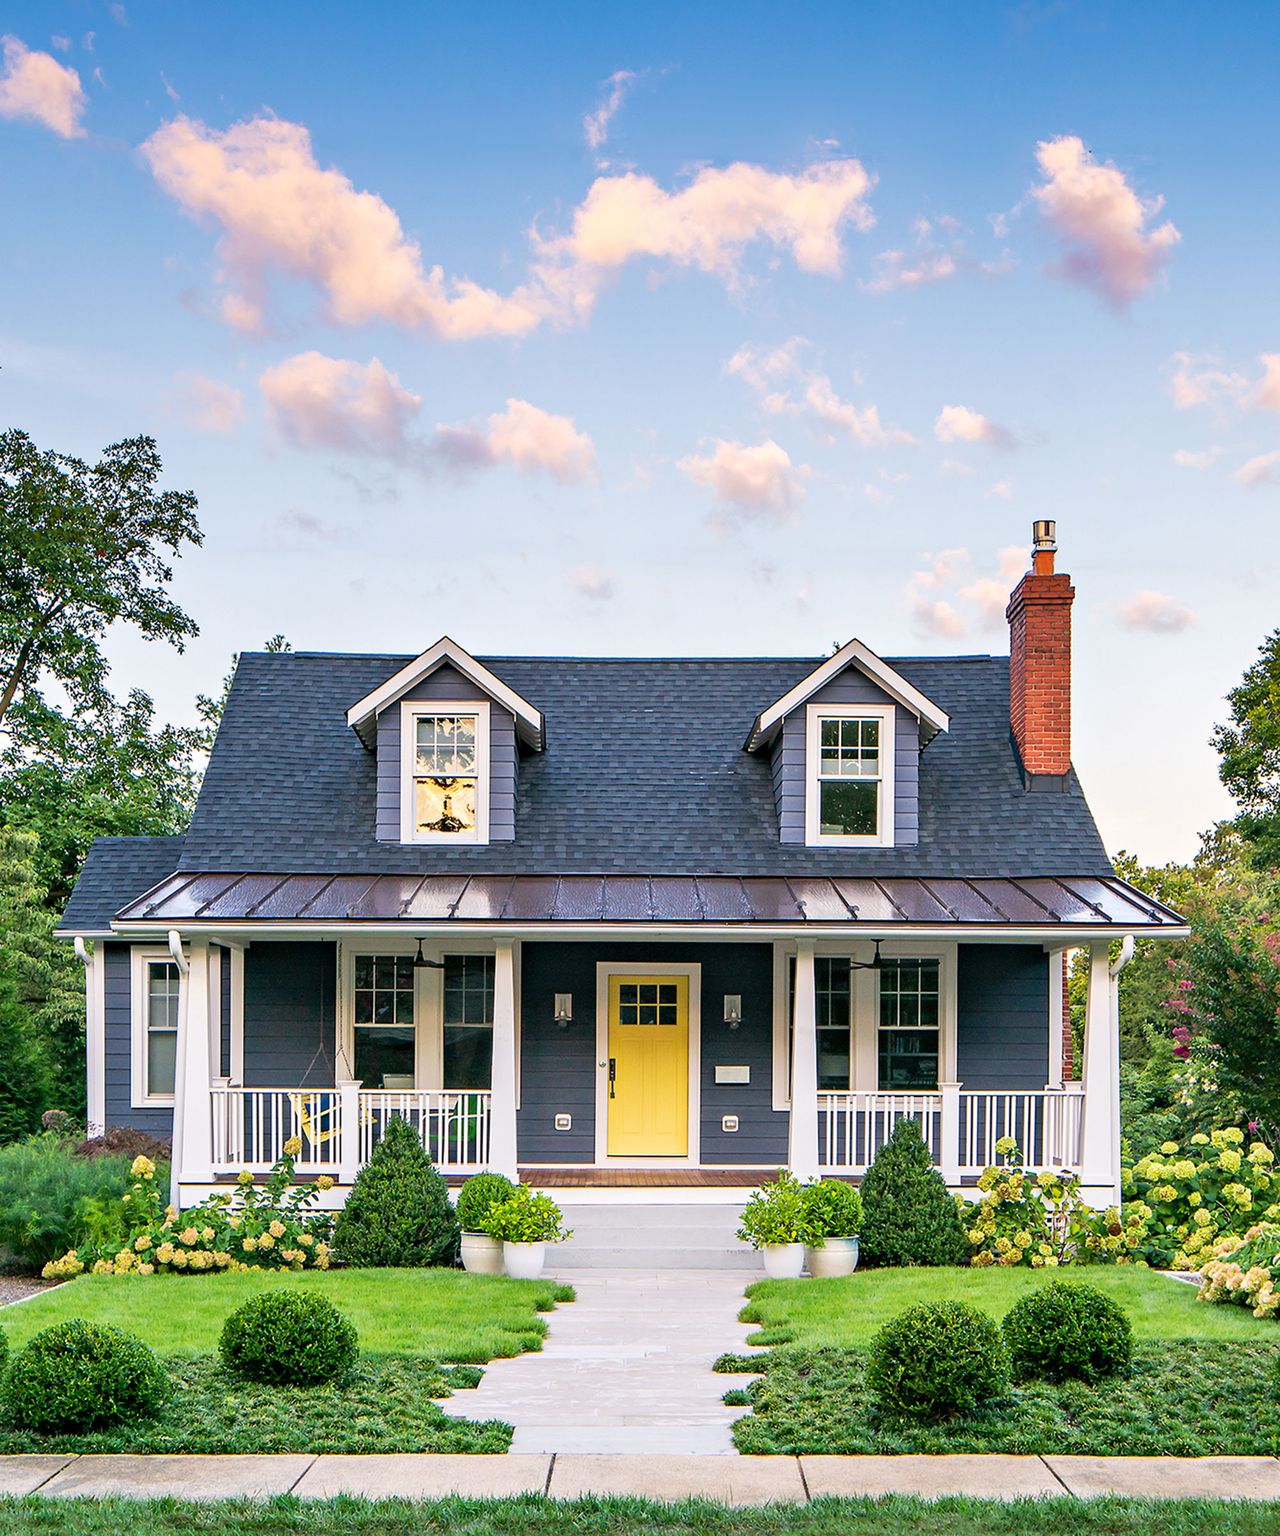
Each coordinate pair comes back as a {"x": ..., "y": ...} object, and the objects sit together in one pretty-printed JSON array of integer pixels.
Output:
[
  {"x": 855, "y": 654},
  {"x": 528, "y": 719}
]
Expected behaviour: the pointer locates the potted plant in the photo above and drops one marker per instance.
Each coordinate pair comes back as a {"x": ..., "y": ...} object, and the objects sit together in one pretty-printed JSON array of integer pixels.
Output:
[
  {"x": 481, "y": 1254},
  {"x": 774, "y": 1222},
  {"x": 525, "y": 1222},
  {"x": 833, "y": 1214}
]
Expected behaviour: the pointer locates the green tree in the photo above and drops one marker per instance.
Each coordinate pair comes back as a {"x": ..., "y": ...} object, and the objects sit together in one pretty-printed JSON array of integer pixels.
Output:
[
  {"x": 1249, "y": 748},
  {"x": 82, "y": 549}
]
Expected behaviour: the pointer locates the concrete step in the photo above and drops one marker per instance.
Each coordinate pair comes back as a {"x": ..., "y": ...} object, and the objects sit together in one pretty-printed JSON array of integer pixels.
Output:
[
  {"x": 654, "y": 1218},
  {"x": 572, "y": 1255}
]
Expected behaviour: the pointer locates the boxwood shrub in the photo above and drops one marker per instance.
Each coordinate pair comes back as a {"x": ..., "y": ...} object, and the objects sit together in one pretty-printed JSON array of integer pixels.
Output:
[
  {"x": 296, "y": 1338},
  {"x": 398, "y": 1214},
  {"x": 907, "y": 1215},
  {"x": 937, "y": 1360},
  {"x": 1066, "y": 1329},
  {"x": 478, "y": 1196},
  {"x": 79, "y": 1375}
]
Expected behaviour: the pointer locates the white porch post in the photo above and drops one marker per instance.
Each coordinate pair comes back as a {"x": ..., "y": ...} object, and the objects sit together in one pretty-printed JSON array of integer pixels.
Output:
[
  {"x": 1100, "y": 1134},
  {"x": 192, "y": 1100},
  {"x": 94, "y": 962},
  {"x": 1057, "y": 1015},
  {"x": 802, "y": 1153},
  {"x": 502, "y": 1103},
  {"x": 949, "y": 1132},
  {"x": 348, "y": 1129}
]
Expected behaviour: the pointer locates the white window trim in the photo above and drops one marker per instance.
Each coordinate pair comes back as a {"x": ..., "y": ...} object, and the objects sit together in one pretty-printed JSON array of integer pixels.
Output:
[
  {"x": 428, "y": 1004},
  {"x": 411, "y": 711},
  {"x": 864, "y": 1058},
  {"x": 140, "y": 1095},
  {"x": 883, "y": 835}
]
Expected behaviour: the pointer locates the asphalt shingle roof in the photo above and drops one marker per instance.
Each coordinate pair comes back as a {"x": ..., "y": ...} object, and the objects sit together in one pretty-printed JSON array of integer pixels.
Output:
[{"x": 116, "y": 871}]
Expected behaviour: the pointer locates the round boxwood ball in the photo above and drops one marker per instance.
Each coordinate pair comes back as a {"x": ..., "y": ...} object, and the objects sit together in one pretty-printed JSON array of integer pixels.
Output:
[
  {"x": 937, "y": 1360},
  {"x": 298, "y": 1338},
  {"x": 79, "y": 1375},
  {"x": 1068, "y": 1329}
]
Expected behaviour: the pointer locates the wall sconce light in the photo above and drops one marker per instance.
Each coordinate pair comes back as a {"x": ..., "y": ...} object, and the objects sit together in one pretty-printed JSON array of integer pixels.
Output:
[
  {"x": 564, "y": 1008},
  {"x": 733, "y": 1009}
]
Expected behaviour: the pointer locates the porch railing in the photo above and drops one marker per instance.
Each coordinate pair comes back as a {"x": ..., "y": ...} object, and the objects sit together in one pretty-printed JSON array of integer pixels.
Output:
[
  {"x": 959, "y": 1128},
  {"x": 339, "y": 1127}
]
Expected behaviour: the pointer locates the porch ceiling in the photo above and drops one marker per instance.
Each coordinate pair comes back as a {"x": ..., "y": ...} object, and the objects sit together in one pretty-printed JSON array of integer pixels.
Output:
[{"x": 899, "y": 902}]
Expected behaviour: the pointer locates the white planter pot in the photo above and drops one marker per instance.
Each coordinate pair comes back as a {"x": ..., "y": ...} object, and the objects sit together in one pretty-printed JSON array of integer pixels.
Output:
[
  {"x": 837, "y": 1257},
  {"x": 481, "y": 1254},
  {"x": 524, "y": 1261},
  {"x": 783, "y": 1261}
]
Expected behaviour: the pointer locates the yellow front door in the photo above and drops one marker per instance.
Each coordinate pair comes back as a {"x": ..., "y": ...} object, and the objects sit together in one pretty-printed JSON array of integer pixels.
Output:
[{"x": 648, "y": 1066}]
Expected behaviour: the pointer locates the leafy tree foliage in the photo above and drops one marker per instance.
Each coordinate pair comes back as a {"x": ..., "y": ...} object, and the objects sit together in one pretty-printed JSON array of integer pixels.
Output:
[
  {"x": 1250, "y": 751},
  {"x": 81, "y": 549}
]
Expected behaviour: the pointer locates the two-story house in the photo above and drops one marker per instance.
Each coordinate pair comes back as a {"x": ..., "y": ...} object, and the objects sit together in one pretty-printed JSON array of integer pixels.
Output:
[{"x": 622, "y": 921}]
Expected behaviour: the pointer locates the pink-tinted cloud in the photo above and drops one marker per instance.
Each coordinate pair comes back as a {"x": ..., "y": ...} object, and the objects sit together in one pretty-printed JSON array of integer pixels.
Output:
[
  {"x": 1186, "y": 458},
  {"x": 330, "y": 402},
  {"x": 1262, "y": 469},
  {"x": 522, "y": 435},
  {"x": 1156, "y": 614},
  {"x": 34, "y": 85},
  {"x": 280, "y": 211},
  {"x": 1111, "y": 242},
  {"x": 785, "y": 386},
  {"x": 207, "y": 404},
  {"x": 1266, "y": 394},
  {"x": 757, "y": 480},
  {"x": 960, "y": 424},
  {"x": 901, "y": 269},
  {"x": 595, "y": 125},
  {"x": 947, "y": 599},
  {"x": 591, "y": 582},
  {"x": 1202, "y": 381}
]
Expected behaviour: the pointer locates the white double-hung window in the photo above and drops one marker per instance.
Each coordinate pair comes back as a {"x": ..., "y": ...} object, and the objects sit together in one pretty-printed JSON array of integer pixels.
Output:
[
  {"x": 154, "y": 1054},
  {"x": 444, "y": 781},
  {"x": 849, "y": 775}
]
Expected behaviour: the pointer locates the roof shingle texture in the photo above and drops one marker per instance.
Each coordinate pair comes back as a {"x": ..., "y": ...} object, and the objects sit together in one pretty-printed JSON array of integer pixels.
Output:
[{"x": 117, "y": 870}]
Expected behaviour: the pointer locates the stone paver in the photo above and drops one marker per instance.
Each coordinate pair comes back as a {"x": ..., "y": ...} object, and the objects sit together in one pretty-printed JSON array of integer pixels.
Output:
[
  {"x": 424, "y": 1477},
  {"x": 1169, "y": 1477},
  {"x": 177, "y": 1477},
  {"x": 24, "y": 1474},
  {"x": 736, "y": 1480},
  {"x": 930, "y": 1477},
  {"x": 624, "y": 1370}
]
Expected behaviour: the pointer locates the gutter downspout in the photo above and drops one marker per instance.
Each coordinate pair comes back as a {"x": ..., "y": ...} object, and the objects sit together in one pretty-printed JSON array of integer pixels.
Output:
[
  {"x": 1127, "y": 946},
  {"x": 184, "y": 989}
]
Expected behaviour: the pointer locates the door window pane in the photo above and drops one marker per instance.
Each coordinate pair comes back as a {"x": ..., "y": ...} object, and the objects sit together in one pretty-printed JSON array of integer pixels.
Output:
[
  {"x": 384, "y": 1021},
  {"x": 384, "y": 1053}
]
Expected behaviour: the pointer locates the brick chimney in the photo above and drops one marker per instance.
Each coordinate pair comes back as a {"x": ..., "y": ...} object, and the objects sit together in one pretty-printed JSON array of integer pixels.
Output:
[{"x": 1039, "y": 615}]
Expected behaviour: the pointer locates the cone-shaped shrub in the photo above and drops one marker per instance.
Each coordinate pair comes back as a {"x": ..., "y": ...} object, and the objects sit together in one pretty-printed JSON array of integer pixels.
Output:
[
  {"x": 907, "y": 1215},
  {"x": 398, "y": 1214}
]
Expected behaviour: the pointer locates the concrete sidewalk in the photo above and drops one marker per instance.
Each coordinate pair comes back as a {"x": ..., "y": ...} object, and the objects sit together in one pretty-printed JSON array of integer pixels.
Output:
[{"x": 731, "y": 1480}]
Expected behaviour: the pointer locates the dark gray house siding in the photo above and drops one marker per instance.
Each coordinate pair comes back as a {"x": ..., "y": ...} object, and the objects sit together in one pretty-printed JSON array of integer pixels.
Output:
[
  {"x": 558, "y": 1066},
  {"x": 118, "y": 1048},
  {"x": 289, "y": 1015},
  {"x": 448, "y": 683},
  {"x": 1002, "y": 1026},
  {"x": 788, "y": 759}
]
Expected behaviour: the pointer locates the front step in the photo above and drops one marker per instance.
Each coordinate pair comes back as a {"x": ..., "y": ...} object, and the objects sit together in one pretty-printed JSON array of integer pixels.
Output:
[{"x": 657, "y": 1236}]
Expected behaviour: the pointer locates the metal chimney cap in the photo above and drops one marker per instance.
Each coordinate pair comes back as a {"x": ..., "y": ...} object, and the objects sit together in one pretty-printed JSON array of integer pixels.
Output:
[{"x": 1043, "y": 532}]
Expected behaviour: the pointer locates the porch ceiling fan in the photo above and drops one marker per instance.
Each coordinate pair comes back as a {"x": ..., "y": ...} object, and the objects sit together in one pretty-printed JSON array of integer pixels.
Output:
[
  {"x": 874, "y": 964},
  {"x": 421, "y": 963}
]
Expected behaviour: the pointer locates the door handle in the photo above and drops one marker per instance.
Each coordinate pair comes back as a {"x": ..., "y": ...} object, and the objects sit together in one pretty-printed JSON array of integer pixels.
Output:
[{"x": 613, "y": 1074}]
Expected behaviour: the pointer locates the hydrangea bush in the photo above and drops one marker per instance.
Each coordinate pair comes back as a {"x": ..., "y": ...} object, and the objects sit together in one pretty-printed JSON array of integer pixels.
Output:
[
  {"x": 270, "y": 1226},
  {"x": 1246, "y": 1271},
  {"x": 1199, "y": 1192}
]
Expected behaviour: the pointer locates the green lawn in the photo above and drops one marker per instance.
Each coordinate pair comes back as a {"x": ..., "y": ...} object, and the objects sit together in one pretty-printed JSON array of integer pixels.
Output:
[
  {"x": 623, "y": 1517},
  {"x": 847, "y": 1313},
  {"x": 439, "y": 1314}
]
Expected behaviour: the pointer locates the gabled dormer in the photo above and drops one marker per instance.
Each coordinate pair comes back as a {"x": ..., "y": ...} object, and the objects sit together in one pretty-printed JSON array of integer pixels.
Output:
[
  {"x": 447, "y": 734},
  {"x": 844, "y": 747}
]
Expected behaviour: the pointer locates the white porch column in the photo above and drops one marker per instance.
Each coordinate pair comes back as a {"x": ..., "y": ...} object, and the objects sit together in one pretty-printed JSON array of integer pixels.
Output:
[
  {"x": 192, "y": 1100},
  {"x": 1057, "y": 1016},
  {"x": 1100, "y": 1135},
  {"x": 802, "y": 1151},
  {"x": 502, "y": 1103},
  {"x": 348, "y": 1129},
  {"x": 949, "y": 1132},
  {"x": 94, "y": 962}
]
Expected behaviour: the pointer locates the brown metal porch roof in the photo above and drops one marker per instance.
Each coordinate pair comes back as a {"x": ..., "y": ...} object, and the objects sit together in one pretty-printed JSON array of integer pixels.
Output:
[{"x": 1041, "y": 901}]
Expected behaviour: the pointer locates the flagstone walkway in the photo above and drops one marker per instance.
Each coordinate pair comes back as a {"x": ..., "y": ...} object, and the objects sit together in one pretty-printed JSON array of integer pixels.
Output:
[{"x": 625, "y": 1369}]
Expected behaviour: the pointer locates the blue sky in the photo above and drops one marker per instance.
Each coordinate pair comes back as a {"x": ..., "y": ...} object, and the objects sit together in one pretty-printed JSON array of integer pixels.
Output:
[{"x": 697, "y": 400}]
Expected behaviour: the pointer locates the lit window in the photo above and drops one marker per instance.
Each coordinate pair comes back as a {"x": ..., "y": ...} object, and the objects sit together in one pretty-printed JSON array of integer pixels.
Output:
[
  {"x": 908, "y": 1034},
  {"x": 445, "y": 775},
  {"x": 468, "y": 1021},
  {"x": 384, "y": 1021},
  {"x": 161, "y": 1027}
]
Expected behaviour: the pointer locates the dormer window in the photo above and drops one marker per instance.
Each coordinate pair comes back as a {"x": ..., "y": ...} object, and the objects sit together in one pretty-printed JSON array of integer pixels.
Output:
[
  {"x": 445, "y": 769},
  {"x": 849, "y": 775}
]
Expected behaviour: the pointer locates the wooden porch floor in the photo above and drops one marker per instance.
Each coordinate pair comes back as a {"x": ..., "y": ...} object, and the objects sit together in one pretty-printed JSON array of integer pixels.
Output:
[{"x": 647, "y": 1178}]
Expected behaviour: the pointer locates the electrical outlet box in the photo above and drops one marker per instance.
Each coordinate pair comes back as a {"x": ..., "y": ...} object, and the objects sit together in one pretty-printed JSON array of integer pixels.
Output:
[
  {"x": 564, "y": 1122},
  {"x": 729, "y": 1123}
]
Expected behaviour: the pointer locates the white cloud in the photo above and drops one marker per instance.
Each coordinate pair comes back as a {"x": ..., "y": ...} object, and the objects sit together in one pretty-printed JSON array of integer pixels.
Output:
[
  {"x": 899, "y": 269},
  {"x": 1199, "y": 380},
  {"x": 757, "y": 481},
  {"x": 1266, "y": 394},
  {"x": 279, "y": 211},
  {"x": 1111, "y": 243},
  {"x": 591, "y": 582},
  {"x": 949, "y": 600},
  {"x": 951, "y": 469},
  {"x": 207, "y": 404},
  {"x": 786, "y": 387},
  {"x": 959, "y": 424},
  {"x": 1185, "y": 458},
  {"x": 1263, "y": 469},
  {"x": 329, "y": 402},
  {"x": 1002, "y": 489},
  {"x": 595, "y": 125},
  {"x": 522, "y": 435},
  {"x": 1155, "y": 613},
  {"x": 36, "y": 86}
]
